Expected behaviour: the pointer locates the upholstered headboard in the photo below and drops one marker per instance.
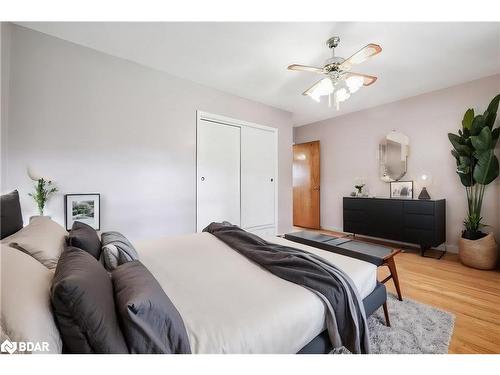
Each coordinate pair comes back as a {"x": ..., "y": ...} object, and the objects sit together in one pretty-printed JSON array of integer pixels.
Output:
[{"x": 11, "y": 216}]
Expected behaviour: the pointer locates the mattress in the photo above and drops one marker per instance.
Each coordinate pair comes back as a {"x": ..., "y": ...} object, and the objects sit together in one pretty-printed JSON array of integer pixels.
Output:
[
  {"x": 363, "y": 276},
  {"x": 232, "y": 305}
]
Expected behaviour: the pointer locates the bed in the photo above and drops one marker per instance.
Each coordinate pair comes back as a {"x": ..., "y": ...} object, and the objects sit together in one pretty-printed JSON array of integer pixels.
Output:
[
  {"x": 231, "y": 305},
  {"x": 228, "y": 303}
]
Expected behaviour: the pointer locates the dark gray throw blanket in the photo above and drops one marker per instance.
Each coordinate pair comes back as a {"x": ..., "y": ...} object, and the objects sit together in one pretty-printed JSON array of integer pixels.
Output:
[{"x": 345, "y": 319}]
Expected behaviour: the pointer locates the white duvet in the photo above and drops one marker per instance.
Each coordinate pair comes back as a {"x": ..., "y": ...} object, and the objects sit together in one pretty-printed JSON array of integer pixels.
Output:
[{"x": 231, "y": 305}]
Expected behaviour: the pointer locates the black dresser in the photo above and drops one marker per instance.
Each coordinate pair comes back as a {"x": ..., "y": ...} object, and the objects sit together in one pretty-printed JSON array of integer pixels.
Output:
[{"x": 421, "y": 222}]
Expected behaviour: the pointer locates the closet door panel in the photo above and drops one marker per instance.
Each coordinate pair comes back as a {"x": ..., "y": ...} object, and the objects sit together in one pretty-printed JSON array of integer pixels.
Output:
[
  {"x": 218, "y": 174},
  {"x": 258, "y": 158}
]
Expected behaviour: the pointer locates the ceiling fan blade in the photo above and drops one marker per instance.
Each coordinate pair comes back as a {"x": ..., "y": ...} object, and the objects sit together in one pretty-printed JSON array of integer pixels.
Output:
[
  {"x": 305, "y": 68},
  {"x": 310, "y": 89},
  {"x": 367, "y": 80},
  {"x": 360, "y": 56}
]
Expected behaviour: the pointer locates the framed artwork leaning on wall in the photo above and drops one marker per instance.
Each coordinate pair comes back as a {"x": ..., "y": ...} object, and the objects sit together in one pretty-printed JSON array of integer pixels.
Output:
[{"x": 85, "y": 207}]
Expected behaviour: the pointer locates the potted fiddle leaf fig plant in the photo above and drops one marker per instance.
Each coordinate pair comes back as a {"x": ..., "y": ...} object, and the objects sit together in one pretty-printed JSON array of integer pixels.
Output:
[{"x": 477, "y": 167}]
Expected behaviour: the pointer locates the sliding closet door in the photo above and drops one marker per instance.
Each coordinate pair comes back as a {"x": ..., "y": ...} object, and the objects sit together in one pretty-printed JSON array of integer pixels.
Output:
[
  {"x": 218, "y": 174},
  {"x": 258, "y": 159}
]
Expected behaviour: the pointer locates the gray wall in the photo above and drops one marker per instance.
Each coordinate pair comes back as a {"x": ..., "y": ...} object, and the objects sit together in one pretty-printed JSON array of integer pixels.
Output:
[
  {"x": 96, "y": 123},
  {"x": 349, "y": 146},
  {"x": 4, "y": 92}
]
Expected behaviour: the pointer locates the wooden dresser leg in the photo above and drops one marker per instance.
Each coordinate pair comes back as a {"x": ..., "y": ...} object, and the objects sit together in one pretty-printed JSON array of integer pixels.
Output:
[
  {"x": 386, "y": 314},
  {"x": 394, "y": 273}
]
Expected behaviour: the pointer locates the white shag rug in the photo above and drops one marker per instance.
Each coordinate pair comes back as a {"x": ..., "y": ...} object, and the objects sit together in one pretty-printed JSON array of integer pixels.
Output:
[{"x": 416, "y": 328}]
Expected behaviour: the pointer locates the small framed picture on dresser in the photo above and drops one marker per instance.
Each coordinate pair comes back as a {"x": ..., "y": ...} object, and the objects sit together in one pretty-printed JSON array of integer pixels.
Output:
[
  {"x": 85, "y": 208},
  {"x": 402, "y": 189}
]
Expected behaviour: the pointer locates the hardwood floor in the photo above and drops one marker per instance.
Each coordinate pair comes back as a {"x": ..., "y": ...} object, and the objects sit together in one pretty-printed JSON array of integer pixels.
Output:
[{"x": 473, "y": 296}]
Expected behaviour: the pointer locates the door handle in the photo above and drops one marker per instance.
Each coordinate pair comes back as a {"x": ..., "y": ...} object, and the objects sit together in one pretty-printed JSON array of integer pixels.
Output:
[
  {"x": 203, "y": 178},
  {"x": 316, "y": 188}
]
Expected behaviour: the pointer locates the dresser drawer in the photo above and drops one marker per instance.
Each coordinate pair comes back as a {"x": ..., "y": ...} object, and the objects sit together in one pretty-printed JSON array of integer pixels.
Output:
[
  {"x": 355, "y": 227},
  {"x": 419, "y": 236},
  {"x": 419, "y": 207},
  {"x": 355, "y": 203},
  {"x": 416, "y": 221},
  {"x": 355, "y": 215}
]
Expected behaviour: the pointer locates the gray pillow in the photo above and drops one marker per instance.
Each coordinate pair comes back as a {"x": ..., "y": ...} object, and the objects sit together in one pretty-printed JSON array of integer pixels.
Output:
[
  {"x": 150, "y": 322},
  {"x": 116, "y": 250},
  {"x": 85, "y": 237},
  {"x": 11, "y": 216},
  {"x": 83, "y": 304}
]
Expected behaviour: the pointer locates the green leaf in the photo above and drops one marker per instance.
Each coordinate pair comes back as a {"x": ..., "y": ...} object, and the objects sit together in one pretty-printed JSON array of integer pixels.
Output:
[
  {"x": 486, "y": 169},
  {"x": 464, "y": 165},
  {"x": 464, "y": 169},
  {"x": 495, "y": 133},
  {"x": 468, "y": 117},
  {"x": 489, "y": 119},
  {"x": 493, "y": 107},
  {"x": 482, "y": 142},
  {"x": 459, "y": 145},
  {"x": 477, "y": 125},
  {"x": 465, "y": 161},
  {"x": 466, "y": 179}
]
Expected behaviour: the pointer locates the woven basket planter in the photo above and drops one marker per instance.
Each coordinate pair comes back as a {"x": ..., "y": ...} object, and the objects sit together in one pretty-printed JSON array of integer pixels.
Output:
[{"x": 481, "y": 254}]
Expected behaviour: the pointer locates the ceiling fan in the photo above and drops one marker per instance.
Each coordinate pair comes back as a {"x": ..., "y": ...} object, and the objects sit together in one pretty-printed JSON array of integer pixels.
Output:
[{"x": 339, "y": 82}]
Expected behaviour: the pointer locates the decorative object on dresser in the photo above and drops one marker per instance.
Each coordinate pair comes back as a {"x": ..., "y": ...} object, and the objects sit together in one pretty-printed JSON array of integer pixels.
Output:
[
  {"x": 401, "y": 189},
  {"x": 85, "y": 208},
  {"x": 359, "y": 185},
  {"x": 412, "y": 221},
  {"x": 425, "y": 181},
  {"x": 477, "y": 167}
]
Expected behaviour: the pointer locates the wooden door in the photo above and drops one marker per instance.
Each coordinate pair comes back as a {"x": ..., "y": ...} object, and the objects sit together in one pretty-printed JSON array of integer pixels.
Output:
[{"x": 306, "y": 188}]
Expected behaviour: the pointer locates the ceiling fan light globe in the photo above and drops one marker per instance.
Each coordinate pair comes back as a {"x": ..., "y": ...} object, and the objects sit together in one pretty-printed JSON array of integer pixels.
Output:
[
  {"x": 314, "y": 96},
  {"x": 354, "y": 83},
  {"x": 326, "y": 87},
  {"x": 342, "y": 95}
]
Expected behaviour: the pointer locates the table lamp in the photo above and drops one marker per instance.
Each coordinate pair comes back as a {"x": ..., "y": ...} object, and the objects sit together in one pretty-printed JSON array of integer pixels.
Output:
[{"x": 425, "y": 181}]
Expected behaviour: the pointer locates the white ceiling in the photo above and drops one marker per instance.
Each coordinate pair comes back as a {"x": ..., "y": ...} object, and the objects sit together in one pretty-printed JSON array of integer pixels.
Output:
[{"x": 250, "y": 59}]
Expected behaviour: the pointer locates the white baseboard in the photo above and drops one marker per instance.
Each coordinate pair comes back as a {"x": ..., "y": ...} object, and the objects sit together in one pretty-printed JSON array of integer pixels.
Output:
[{"x": 448, "y": 247}]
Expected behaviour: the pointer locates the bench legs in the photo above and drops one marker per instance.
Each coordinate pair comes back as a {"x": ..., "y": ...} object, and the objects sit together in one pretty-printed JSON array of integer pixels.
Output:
[
  {"x": 394, "y": 274},
  {"x": 386, "y": 314}
]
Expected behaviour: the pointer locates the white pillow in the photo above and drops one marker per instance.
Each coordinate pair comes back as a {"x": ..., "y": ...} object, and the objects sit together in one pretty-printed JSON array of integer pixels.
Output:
[
  {"x": 42, "y": 238},
  {"x": 26, "y": 312}
]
